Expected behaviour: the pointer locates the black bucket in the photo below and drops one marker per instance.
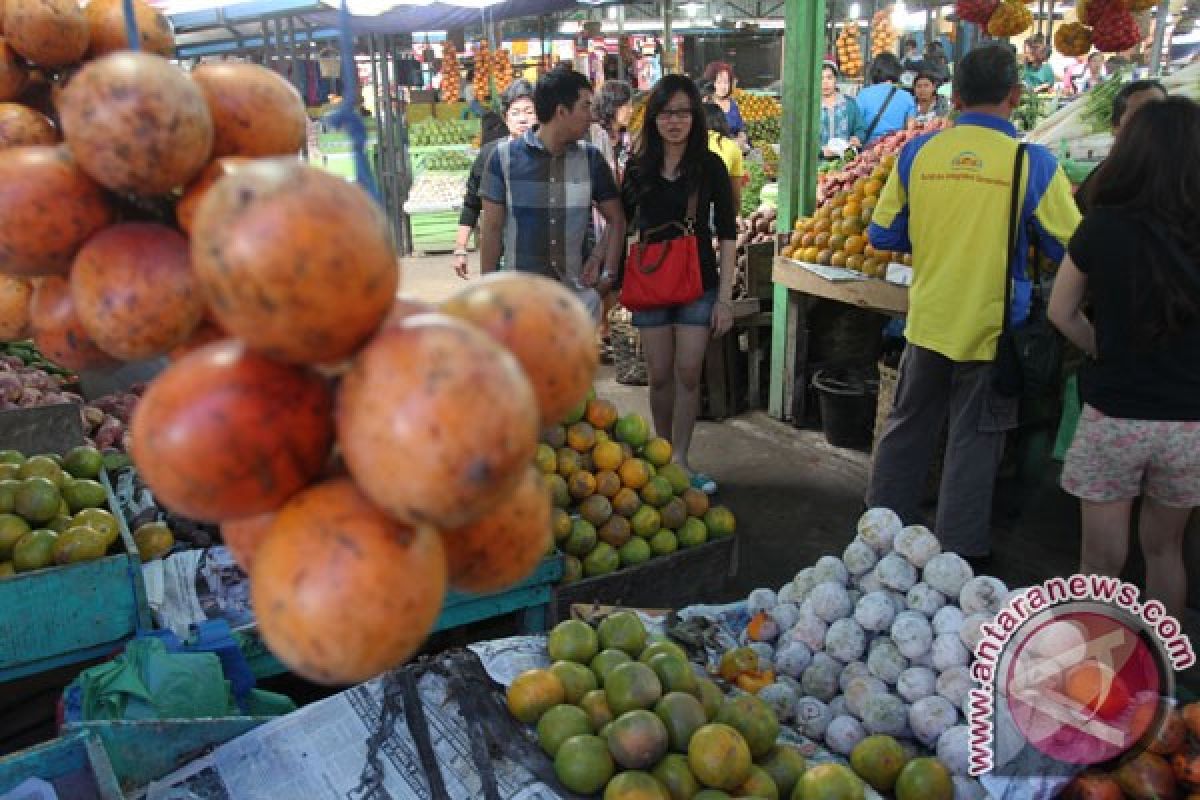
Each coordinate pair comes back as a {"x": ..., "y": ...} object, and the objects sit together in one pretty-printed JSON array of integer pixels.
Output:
[{"x": 847, "y": 401}]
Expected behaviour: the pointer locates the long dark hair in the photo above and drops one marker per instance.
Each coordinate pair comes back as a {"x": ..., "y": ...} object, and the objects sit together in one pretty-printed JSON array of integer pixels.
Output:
[
  {"x": 1153, "y": 172},
  {"x": 648, "y": 159}
]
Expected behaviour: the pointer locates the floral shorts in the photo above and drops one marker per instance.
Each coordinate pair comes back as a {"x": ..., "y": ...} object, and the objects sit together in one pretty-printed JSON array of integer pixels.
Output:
[{"x": 1115, "y": 459}]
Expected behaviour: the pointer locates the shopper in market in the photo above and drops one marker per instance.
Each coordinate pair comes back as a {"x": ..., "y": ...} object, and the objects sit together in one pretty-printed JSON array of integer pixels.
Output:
[
  {"x": 516, "y": 105},
  {"x": 884, "y": 105},
  {"x": 720, "y": 75},
  {"x": 539, "y": 190},
  {"x": 673, "y": 162},
  {"x": 930, "y": 104},
  {"x": 1136, "y": 258},
  {"x": 612, "y": 110},
  {"x": 720, "y": 143},
  {"x": 1037, "y": 75},
  {"x": 841, "y": 122},
  {"x": 949, "y": 211},
  {"x": 1129, "y": 98}
]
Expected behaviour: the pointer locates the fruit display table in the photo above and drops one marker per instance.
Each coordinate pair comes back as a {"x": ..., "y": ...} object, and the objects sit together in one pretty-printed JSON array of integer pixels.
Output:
[
  {"x": 872, "y": 294},
  {"x": 673, "y": 581}
]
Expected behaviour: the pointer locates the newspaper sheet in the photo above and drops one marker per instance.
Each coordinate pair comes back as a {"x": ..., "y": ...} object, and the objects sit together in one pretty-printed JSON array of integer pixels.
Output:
[
  {"x": 197, "y": 585},
  {"x": 320, "y": 751}
]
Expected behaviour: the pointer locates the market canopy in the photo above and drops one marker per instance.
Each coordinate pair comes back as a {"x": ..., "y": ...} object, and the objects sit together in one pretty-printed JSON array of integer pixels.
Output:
[{"x": 386, "y": 16}]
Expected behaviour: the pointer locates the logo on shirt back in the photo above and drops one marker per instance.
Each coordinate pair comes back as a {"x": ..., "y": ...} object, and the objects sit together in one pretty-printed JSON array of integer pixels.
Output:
[{"x": 967, "y": 160}]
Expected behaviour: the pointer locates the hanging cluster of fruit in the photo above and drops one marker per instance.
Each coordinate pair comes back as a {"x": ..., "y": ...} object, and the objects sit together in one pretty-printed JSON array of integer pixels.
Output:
[
  {"x": 1108, "y": 25},
  {"x": 360, "y": 453},
  {"x": 883, "y": 33},
  {"x": 502, "y": 70},
  {"x": 1000, "y": 18},
  {"x": 451, "y": 79},
  {"x": 849, "y": 52},
  {"x": 483, "y": 71}
]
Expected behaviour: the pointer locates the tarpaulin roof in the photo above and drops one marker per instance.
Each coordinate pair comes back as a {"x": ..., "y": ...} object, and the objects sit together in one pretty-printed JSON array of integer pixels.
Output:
[{"x": 439, "y": 16}]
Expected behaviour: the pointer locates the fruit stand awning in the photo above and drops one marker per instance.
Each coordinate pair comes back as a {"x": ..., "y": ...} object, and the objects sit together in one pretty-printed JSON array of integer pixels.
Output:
[{"x": 439, "y": 16}]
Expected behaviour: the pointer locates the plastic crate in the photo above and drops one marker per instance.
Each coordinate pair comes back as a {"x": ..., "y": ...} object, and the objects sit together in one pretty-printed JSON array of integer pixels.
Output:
[
  {"x": 76, "y": 765},
  {"x": 63, "y": 615}
]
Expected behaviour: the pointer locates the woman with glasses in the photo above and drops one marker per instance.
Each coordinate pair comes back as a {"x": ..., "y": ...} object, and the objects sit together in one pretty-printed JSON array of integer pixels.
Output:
[
  {"x": 519, "y": 116},
  {"x": 672, "y": 162}
]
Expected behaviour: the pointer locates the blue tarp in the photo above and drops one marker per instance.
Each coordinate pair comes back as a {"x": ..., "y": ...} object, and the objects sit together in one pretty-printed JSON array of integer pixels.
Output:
[{"x": 439, "y": 16}]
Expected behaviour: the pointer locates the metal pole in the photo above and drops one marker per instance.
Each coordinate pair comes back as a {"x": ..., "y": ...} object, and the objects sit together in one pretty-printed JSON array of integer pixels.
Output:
[
  {"x": 668, "y": 39},
  {"x": 621, "y": 74},
  {"x": 1160, "y": 36},
  {"x": 797, "y": 165}
]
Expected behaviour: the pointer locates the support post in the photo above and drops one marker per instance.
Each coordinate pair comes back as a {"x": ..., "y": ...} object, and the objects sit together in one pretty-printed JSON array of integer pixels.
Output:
[
  {"x": 669, "y": 64},
  {"x": 802, "y": 57},
  {"x": 1160, "y": 36}
]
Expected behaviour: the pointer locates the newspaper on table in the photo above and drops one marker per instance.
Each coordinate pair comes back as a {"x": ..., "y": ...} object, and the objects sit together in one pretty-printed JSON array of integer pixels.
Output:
[
  {"x": 323, "y": 750},
  {"x": 198, "y": 585}
]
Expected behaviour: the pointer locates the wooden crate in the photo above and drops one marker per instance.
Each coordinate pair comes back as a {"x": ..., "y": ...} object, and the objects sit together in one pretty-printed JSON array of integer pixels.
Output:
[
  {"x": 76, "y": 765},
  {"x": 684, "y": 578},
  {"x": 144, "y": 750}
]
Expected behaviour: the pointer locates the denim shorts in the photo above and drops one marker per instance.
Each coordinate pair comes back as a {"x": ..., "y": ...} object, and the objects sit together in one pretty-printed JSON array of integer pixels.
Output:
[{"x": 698, "y": 312}]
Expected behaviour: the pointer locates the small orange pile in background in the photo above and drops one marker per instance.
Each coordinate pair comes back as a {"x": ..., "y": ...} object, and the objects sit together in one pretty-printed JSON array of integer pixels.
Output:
[
  {"x": 849, "y": 53},
  {"x": 451, "y": 78},
  {"x": 883, "y": 33}
]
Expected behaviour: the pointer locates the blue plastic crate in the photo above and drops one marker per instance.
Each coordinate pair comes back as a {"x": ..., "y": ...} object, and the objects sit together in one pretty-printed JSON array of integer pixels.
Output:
[{"x": 76, "y": 765}]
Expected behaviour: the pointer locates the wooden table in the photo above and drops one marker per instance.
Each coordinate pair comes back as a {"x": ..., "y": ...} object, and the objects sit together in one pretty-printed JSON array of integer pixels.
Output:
[{"x": 791, "y": 354}]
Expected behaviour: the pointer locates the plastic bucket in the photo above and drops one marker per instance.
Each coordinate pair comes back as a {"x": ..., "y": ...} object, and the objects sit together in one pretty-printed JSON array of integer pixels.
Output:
[{"x": 846, "y": 398}]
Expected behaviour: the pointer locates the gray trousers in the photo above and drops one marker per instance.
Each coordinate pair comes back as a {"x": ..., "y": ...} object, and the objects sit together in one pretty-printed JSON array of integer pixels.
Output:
[{"x": 932, "y": 391}]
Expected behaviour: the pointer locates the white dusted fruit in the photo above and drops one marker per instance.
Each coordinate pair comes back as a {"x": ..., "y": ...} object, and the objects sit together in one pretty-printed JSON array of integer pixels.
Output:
[
  {"x": 830, "y": 568},
  {"x": 787, "y": 594},
  {"x": 837, "y": 706},
  {"x": 761, "y": 600},
  {"x": 955, "y": 685},
  {"x": 915, "y": 683},
  {"x": 968, "y": 788},
  {"x": 869, "y": 582},
  {"x": 948, "y": 619},
  {"x": 885, "y": 660},
  {"x": 912, "y": 633},
  {"x": 803, "y": 584},
  {"x": 930, "y": 717},
  {"x": 971, "y": 631},
  {"x": 859, "y": 689},
  {"x": 954, "y": 749},
  {"x": 948, "y": 573},
  {"x": 896, "y": 573},
  {"x": 845, "y": 640},
  {"x": 859, "y": 557},
  {"x": 785, "y": 615},
  {"x": 812, "y": 717},
  {"x": 982, "y": 593},
  {"x": 809, "y": 629},
  {"x": 820, "y": 680},
  {"x": 878, "y": 527},
  {"x": 855, "y": 669},
  {"x": 781, "y": 699},
  {"x": 949, "y": 651},
  {"x": 875, "y": 612},
  {"x": 792, "y": 658},
  {"x": 917, "y": 544},
  {"x": 829, "y": 601},
  {"x": 886, "y": 714},
  {"x": 924, "y": 598},
  {"x": 843, "y": 734}
]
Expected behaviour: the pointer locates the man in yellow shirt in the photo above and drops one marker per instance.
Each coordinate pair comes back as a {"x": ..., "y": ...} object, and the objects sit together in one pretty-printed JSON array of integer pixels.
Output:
[
  {"x": 729, "y": 150},
  {"x": 947, "y": 202}
]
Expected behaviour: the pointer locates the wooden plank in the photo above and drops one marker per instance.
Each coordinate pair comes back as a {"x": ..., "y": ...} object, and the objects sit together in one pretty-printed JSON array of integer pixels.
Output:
[{"x": 873, "y": 294}]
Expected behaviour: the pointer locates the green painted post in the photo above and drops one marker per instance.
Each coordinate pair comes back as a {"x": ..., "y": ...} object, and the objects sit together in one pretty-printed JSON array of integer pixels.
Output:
[{"x": 804, "y": 51}]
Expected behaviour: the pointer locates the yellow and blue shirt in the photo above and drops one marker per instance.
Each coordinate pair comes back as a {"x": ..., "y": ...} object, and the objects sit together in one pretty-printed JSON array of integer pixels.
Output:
[{"x": 947, "y": 202}]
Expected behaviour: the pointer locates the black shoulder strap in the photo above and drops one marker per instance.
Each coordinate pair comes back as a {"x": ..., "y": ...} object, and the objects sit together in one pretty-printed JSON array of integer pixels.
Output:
[
  {"x": 1014, "y": 216},
  {"x": 879, "y": 114}
]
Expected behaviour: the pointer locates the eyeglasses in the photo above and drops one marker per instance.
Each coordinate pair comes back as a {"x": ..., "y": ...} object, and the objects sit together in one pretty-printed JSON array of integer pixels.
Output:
[{"x": 675, "y": 113}]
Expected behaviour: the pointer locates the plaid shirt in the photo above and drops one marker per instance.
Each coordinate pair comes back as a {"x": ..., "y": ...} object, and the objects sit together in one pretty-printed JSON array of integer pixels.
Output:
[{"x": 548, "y": 201}]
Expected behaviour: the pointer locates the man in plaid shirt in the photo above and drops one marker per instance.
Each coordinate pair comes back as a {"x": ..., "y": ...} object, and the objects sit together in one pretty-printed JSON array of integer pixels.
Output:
[{"x": 539, "y": 190}]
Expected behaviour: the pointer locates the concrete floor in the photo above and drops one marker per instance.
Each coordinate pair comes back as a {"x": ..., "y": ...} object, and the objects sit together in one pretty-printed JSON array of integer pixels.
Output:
[{"x": 797, "y": 498}]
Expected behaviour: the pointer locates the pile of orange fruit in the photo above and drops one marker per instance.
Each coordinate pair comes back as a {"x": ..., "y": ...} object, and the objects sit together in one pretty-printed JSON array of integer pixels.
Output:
[
  {"x": 451, "y": 79},
  {"x": 883, "y": 33},
  {"x": 483, "y": 70},
  {"x": 756, "y": 107},
  {"x": 836, "y": 235},
  {"x": 502, "y": 70},
  {"x": 849, "y": 52}
]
